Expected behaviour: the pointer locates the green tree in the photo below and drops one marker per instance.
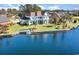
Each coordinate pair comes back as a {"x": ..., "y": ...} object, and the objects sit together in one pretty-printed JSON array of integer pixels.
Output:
[
  {"x": 25, "y": 8},
  {"x": 29, "y": 8},
  {"x": 9, "y": 10},
  {"x": 21, "y": 8},
  {"x": 14, "y": 11},
  {"x": 36, "y": 8}
]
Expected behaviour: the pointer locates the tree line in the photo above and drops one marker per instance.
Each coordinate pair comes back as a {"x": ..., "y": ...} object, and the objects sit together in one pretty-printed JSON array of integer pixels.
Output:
[
  {"x": 29, "y": 8},
  {"x": 33, "y": 8},
  {"x": 10, "y": 12}
]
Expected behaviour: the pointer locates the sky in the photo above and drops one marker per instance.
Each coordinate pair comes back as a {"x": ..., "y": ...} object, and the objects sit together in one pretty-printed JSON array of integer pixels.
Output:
[{"x": 45, "y": 6}]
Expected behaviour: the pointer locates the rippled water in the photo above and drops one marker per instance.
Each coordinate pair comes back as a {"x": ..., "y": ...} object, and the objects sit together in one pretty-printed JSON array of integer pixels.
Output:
[{"x": 55, "y": 43}]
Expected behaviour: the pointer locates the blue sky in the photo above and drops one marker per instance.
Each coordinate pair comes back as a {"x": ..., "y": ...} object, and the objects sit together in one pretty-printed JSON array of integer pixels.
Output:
[
  {"x": 60, "y": 6},
  {"x": 5, "y": 6},
  {"x": 46, "y": 6}
]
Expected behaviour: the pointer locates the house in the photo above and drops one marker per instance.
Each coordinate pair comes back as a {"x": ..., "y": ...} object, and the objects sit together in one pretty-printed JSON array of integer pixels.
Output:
[
  {"x": 14, "y": 19},
  {"x": 35, "y": 18},
  {"x": 3, "y": 12},
  {"x": 62, "y": 15},
  {"x": 4, "y": 20},
  {"x": 58, "y": 15}
]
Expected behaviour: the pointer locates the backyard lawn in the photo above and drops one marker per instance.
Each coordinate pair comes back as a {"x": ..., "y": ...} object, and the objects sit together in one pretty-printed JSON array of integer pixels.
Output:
[
  {"x": 39, "y": 28},
  {"x": 43, "y": 27}
]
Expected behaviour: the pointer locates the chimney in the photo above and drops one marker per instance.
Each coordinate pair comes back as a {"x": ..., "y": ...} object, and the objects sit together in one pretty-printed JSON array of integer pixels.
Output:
[
  {"x": 32, "y": 14},
  {"x": 27, "y": 14},
  {"x": 38, "y": 13}
]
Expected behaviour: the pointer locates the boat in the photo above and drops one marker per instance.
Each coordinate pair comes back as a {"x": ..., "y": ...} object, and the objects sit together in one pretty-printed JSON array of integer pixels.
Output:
[
  {"x": 25, "y": 31},
  {"x": 29, "y": 31}
]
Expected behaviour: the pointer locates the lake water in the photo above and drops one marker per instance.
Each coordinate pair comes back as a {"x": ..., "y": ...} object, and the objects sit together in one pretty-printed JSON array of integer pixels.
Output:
[{"x": 54, "y": 43}]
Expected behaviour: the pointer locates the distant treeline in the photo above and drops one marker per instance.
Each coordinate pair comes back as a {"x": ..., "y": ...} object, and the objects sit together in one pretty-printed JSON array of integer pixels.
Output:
[{"x": 33, "y": 8}]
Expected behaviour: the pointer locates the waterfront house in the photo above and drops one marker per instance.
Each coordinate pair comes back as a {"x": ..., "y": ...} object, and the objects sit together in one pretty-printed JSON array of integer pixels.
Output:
[
  {"x": 35, "y": 18},
  {"x": 4, "y": 22},
  {"x": 14, "y": 19},
  {"x": 3, "y": 12},
  {"x": 62, "y": 16}
]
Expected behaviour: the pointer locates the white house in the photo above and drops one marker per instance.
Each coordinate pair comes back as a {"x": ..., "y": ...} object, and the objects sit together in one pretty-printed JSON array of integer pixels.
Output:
[{"x": 37, "y": 19}]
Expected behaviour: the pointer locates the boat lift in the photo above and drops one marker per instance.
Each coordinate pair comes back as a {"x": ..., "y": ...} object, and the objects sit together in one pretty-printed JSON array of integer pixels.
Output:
[{"x": 28, "y": 31}]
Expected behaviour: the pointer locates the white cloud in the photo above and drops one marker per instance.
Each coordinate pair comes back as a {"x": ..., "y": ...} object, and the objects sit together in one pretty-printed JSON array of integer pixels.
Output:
[
  {"x": 76, "y": 8},
  {"x": 53, "y": 7},
  {"x": 10, "y": 5},
  {"x": 6, "y": 6}
]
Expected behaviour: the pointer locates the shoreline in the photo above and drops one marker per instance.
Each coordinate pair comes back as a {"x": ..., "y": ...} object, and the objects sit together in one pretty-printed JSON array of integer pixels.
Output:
[
  {"x": 50, "y": 31},
  {"x": 39, "y": 31}
]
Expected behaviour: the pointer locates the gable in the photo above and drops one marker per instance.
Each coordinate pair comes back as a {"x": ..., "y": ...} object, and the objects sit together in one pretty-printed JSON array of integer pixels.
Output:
[{"x": 3, "y": 18}]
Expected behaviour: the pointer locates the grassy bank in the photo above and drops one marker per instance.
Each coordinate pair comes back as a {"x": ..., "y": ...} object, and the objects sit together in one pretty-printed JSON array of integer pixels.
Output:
[{"x": 41, "y": 28}]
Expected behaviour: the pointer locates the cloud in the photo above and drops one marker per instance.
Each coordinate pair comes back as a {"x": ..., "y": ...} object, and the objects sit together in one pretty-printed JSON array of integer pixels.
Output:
[
  {"x": 53, "y": 7},
  {"x": 9, "y": 5},
  {"x": 5, "y": 6},
  {"x": 16, "y": 6},
  {"x": 76, "y": 8}
]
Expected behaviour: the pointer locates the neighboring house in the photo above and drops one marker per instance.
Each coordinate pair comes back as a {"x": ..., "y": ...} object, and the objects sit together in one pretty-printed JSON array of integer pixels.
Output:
[
  {"x": 4, "y": 20},
  {"x": 14, "y": 19},
  {"x": 37, "y": 18},
  {"x": 3, "y": 12},
  {"x": 62, "y": 16}
]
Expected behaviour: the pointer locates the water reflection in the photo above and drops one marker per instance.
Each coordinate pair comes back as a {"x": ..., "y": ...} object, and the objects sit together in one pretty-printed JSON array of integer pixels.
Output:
[
  {"x": 8, "y": 42},
  {"x": 54, "y": 35},
  {"x": 63, "y": 35},
  {"x": 39, "y": 38},
  {"x": 4, "y": 41},
  {"x": 49, "y": 43},
  {"x": 0, "y": 43},
  {"x": 34, "y": 37},
  {"x": 45, "y": 37},
  {"x": 1, "y": 38}
]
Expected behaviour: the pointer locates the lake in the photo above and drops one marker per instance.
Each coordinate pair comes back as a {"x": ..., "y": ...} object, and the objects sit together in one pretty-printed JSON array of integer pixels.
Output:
[{"x": 54, "y": 43}]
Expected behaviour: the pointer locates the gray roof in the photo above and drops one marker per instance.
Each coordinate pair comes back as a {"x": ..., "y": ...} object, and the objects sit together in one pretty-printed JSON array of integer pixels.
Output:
[
  {"x": 3, "y": 18},
  {"x": 59, "y": 15}
]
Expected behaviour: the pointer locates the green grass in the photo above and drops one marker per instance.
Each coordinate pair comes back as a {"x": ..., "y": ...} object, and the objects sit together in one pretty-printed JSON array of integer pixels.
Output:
[
  {"x": 16, "y": 27},
  {"x": 39, "y": 28}
]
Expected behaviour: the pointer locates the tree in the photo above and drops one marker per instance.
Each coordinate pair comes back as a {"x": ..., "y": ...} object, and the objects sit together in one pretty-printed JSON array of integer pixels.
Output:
[
  {"x": 29, "y": 8},
  {"x": 3, "y": 11},
  {"x": 14, "y": 11},
  {"x": 25, "y": 8},
  {"x": 9, "y": 11},
  {"x": 21, "y": 8},
  {"x": 36, "y": 8}
]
